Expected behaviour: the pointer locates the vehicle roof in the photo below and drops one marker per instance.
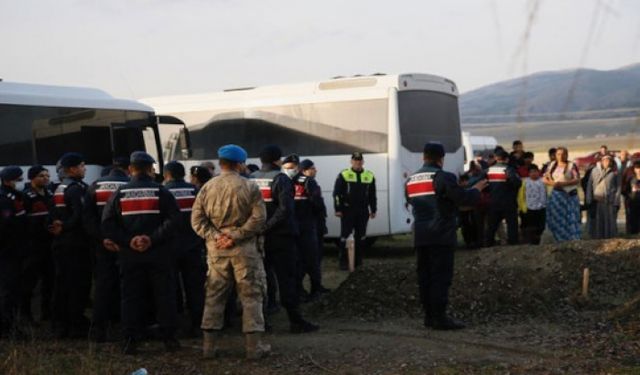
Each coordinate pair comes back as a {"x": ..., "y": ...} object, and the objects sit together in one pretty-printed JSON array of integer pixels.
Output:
[
  {"x": 344, "y": 88},
  {"x": 64, "y": 96}
]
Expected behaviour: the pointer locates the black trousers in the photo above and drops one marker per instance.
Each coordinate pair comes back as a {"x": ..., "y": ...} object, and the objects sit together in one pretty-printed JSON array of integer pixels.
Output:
[
  {"x": 533, "y": 224},
  {"x": 495, "y": 217},
  {"x": 106, "y": 304},
  {"x": 282, "y": 258},
  {"x": 37, "y": 268},
  {"x": 435, "y": 273},
  {"x": 353, "y": 221},
  {"x": 308, "y": 258},
  {"x": 9, "y": 293},
  {"x": 138, "y": 279},
  {"x": 72, "y": 286},
  {"x": 190, "y": 275},
  {"x": 469, "y": 226}
]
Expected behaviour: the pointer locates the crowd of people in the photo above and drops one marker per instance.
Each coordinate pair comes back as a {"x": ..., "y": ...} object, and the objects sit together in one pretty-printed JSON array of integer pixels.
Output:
[
  {"x": 530, "y": 198},
  {"x": 151, "y": 250}
]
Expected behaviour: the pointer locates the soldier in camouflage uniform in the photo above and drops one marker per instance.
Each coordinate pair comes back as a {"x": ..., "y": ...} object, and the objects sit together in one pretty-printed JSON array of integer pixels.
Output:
[{"x": 229, "y": 214}]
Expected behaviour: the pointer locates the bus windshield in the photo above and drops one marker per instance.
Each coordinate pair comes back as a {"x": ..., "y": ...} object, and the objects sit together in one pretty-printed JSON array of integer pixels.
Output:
[
  {"x": 39, "y": 134},
  {"x": 428, "y": 116}
]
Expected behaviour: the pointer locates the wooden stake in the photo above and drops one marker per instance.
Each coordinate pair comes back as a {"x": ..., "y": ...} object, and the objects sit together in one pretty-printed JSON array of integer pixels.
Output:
[
  {"x": 351, "y": 253},
  {"x": 585, "y": 283}
]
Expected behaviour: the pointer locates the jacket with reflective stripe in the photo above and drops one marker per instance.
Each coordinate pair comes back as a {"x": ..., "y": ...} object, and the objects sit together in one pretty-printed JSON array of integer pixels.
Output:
[
  {"x": 69, "y": 208},
  {"x": 435, "y": 196},
  {"x": 355, "y": 190},
  {"x": 13, "y": 239},
  {"x": 278, "y": 194},
  {"x": 504, "y": 184},
  {"x": 97, "y": 196},
  {"x": 185, "y": 194},
  {"x": 38, "y": 207}
]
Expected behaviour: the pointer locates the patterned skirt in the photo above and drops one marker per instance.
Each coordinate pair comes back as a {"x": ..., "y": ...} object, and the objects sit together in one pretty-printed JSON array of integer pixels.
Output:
[{"x": 563, "y": 216}]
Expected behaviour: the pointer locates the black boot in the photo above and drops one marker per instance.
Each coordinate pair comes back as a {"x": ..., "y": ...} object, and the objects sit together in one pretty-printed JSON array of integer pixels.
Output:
[
  {"x": 130, "y": 346},
  {"x": 298, "y": 324},
  {"x": 446, "y": 323}
]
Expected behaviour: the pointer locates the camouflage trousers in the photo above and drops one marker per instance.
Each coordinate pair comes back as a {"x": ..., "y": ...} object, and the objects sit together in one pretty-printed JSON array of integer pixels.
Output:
[{"x": 248, "y": 276}]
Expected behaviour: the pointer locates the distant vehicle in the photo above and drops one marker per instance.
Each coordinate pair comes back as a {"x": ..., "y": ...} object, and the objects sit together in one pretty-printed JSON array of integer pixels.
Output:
[
  {"x": 387, "y": 117},
  {"x": 39, "y": 123},
  {"x": 476, "y": 145}
]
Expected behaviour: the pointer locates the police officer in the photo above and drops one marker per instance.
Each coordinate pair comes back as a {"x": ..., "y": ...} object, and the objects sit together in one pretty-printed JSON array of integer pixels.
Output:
[
  {"x": 71, "y": 250},
  {"x": 38, "y": 264},
  {"x": 308, "y": 168},
  {"x": 139, "y": 221},
  {"x": 504, "y": 184},
  {"x": 106, "y": 306},
  {"x": 435, "y": 196},
  {"x": 12, "y": 248},
  {"x": 229, "y": 214},
  {"x": 188, "y": 246},
  {"x": 354, "y": 196},
  {"x": 280, "y": 233},
  {"x": 306, "y": 202}
]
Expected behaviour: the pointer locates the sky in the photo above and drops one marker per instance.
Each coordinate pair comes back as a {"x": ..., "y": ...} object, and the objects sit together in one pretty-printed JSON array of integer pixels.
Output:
[{"x": 143, "y": 48}]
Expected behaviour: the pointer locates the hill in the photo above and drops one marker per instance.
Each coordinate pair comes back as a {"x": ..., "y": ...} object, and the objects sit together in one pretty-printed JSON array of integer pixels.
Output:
[{"x": 554, "y": 94}]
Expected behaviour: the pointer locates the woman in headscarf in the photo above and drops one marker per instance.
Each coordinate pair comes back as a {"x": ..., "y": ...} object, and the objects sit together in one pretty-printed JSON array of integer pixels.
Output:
[
  {"x": 563, "y": 209},
  {"x": 603, "y": 199}
]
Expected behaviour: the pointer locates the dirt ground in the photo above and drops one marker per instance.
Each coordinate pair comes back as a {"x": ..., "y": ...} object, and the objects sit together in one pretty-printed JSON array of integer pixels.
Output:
[{"x": 522, "y": 304}]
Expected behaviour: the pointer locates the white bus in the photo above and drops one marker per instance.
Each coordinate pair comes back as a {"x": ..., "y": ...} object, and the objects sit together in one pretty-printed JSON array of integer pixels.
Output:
[
  {"x": 387, "y": 117},
  {"x": 39, "y": 123}
]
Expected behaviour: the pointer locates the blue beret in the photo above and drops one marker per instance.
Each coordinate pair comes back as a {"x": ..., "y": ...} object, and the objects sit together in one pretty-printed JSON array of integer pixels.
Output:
[
  {"x": 141, "y": 158},
  {"x": 71, "y": 159},
  {"x": 306, "y": 164},
  {"x": 434, "y": 150},
  {"x": 175, "y": 168},
  {"x": 10, "y": 173},
  {"x": 232, "y": 153},
  {"x": 293, "y": 158}
]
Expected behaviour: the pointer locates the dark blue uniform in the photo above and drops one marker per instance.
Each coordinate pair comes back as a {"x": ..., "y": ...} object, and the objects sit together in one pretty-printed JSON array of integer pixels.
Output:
[
  {"x": 435, "y": 195},
  {"x": 38, "y": 264},
  {"x": 504, "y": 184},
  {"x": 354, "y": 194},
  {"x": 106, "y": 306},
  {"x": 13, "y": 232},
  {"x": 144, "y": 207},
  {"x": 307, "y": 203},
  {"x": 188, "y": 252},
  {"x": 72, "y": 259}
]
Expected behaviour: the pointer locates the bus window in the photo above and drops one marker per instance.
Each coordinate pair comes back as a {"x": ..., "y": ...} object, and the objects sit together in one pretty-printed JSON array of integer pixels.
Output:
[
  {"x": 333, "y": 128},
  {"x": 428, "y": 116},
  {"x": 16, "y": 146}
]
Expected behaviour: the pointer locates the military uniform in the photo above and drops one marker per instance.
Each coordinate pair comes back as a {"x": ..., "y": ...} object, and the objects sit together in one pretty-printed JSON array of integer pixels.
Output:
[
  {"x": 354, "y": 195},
  {"x": 434, "y": 196},
  {"x": 72, "y": 259},
  {"x": 144, "y": 207},
  {"x": 12, "y": 248},
  {"x": 106, "y": 306},
  {"x": 188, "y": 251},
  {"x": 38, "y": 264},
  {"x": 504, "y": 184},
  {"x": 231, "y": 204}
]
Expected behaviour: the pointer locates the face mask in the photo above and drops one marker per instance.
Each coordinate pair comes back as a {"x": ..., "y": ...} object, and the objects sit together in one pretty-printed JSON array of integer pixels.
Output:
[{"x": 290, "y": 172}]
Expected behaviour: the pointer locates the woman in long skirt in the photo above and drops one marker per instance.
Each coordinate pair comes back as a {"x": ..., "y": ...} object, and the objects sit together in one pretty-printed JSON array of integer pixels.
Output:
[{"x": 563, "y": 209}]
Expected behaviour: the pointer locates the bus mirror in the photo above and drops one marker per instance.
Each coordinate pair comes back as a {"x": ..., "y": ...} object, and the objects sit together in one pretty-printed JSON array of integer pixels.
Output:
[{"x": 185, "y": 143}]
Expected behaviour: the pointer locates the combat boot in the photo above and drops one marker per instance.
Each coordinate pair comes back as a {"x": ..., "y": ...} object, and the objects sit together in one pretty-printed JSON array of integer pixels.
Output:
[
  {"x": 447, "y": 323},
  {"x": 210, "y": 344},
  {"x": 256, "y": 349}
]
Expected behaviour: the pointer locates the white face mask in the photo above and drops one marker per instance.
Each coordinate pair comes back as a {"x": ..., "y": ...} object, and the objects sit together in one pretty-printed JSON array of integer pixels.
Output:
[{"x": 290, "y": 172}]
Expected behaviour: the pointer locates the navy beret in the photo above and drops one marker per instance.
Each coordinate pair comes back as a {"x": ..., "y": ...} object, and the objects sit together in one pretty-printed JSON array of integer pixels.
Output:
[
  {"x": 306, "y": 164},
  {"x": 434, "y": 150},
  {"x": 10, "y": 173},
  {"x": 232, "y": 153},
  {"x": 293, "y": 158},
  {"x": 141, "y": 158},
  {"x": 175, "y": 168},
  {"x": 121, "y": 162},
  {"x": 34, "y": 171},
  {"x": 270, "y": 153},
  {"x": 71, "y": 159}
]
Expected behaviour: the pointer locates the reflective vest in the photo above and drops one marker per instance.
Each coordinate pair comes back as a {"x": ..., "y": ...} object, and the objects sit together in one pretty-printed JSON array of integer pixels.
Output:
[{"x": 366, "y": 177}]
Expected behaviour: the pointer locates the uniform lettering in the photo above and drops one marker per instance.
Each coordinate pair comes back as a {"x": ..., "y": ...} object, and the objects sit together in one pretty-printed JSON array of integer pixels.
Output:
[
  {"x": 497, "y": 174},
  {"x": 264, "y": 184},
  {"x": 140, "y": 201},
  {"x": 420, "y": 184},
  {"x": 184, "y": 197}
]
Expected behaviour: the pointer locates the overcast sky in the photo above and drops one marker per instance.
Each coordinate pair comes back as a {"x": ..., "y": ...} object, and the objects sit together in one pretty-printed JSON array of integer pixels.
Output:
[{"x": 142, "y": 48}]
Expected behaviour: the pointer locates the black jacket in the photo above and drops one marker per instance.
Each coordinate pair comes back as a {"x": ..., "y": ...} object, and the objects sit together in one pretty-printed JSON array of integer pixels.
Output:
[
  {"x": 355, "y": 191},
  {"x": 38, "y": 207},
  {"x": 504, "y": 184},
  {"x": 96, "y": 199},
  {"x": 308, "y": 198},
  {"x": 68, "y": 207},
  {"x": 435, "y": 197},
  {"x": 278, "y": 194},
  {"x": 13, "y": 224},
  {"x": 185, "y": 195},
  {"x": 141, "y": 207}
]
